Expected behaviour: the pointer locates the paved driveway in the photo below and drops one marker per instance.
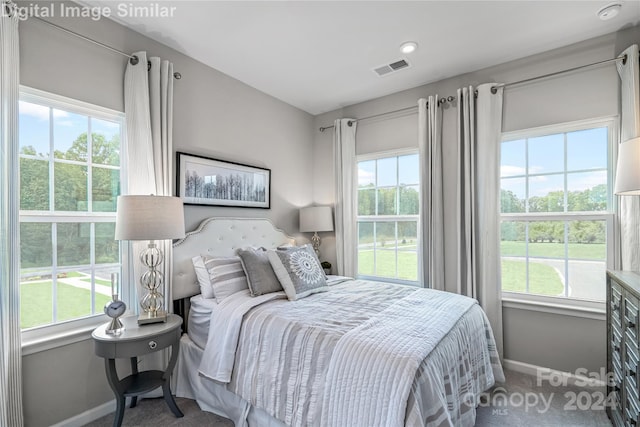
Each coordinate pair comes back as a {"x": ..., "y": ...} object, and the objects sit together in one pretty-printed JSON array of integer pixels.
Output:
[{"x": 587, "y": 279}]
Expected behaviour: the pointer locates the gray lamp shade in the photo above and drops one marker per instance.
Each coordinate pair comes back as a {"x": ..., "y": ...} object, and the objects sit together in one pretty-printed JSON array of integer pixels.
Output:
[
  {"x": 316, "y": 218},
  {"x": 149, "y": 218},
  {"x": 628, "y": 171}
]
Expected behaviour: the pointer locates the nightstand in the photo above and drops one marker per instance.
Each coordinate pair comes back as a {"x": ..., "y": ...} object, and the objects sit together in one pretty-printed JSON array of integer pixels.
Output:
[{"x": 133, "y": 342}]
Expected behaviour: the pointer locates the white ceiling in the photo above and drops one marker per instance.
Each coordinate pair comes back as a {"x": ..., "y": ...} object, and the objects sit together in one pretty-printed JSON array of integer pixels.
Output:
[{"x": 319, "y": 55}]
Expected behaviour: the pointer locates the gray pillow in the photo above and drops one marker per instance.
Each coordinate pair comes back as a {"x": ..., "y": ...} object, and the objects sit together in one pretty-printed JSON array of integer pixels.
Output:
[
  {"x": 299, "y": 271},
  {"x": 260, "y": 276}
]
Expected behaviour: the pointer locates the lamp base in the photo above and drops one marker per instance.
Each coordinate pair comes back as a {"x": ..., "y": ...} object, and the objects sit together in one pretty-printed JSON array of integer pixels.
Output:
[
  {"x": 315, "y": 242},
  {"x": 147, "y": 318}
]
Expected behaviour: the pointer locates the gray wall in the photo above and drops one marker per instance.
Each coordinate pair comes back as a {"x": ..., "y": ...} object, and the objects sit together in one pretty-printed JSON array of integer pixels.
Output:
[
  {"x": 215, "y": 116},
  {"x": 535, "y": 338}
]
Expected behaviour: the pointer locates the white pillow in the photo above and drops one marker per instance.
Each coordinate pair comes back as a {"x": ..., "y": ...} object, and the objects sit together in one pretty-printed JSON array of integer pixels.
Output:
[
  {"x": 227, "y": 276},
  {"x": 200, "y": 265}
]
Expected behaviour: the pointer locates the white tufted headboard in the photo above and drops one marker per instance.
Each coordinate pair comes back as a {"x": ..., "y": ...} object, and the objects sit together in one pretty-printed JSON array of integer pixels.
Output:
[{"x": 219, "y": 237}]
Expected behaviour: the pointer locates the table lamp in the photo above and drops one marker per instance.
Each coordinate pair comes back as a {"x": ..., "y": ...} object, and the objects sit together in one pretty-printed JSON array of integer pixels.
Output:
[
  {"x": 150, "y": 218},
  {"x": 628, "y": 171},
  {"x": 314, "y": 219}
]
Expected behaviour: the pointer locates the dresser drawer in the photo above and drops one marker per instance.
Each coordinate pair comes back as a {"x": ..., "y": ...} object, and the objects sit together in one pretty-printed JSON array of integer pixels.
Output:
[
  {"x": 631, "y": 367},
  {"x": 618, "y": 373},
  {"x": 616, "y": 336},
  {"x": 631, "y": 344},
  {"x": 631, "y": 411},
  {"x": 630, "y": 317},
  {"x": 615, "y": 304}
]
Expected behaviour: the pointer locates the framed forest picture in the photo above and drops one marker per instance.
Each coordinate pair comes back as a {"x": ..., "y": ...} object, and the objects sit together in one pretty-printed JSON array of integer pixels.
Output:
[{"x": 205, "y": 181}]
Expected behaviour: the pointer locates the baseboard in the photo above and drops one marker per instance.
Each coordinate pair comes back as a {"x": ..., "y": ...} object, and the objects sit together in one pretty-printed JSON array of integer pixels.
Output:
[
  {"x": 567, "y": 378},
  {"x": 88, "y": 416}
]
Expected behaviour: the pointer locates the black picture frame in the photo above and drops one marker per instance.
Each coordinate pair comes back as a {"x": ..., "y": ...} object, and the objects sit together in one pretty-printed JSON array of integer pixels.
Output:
[{"x": 212, "y": 182}]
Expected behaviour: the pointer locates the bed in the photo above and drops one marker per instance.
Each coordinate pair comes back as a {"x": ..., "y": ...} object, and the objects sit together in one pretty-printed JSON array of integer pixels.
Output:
[{"x": 360, "y": 354}]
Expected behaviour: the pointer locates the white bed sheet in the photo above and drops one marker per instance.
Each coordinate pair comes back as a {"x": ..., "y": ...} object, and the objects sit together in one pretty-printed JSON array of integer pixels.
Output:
[{"x": 199, "y": 319}]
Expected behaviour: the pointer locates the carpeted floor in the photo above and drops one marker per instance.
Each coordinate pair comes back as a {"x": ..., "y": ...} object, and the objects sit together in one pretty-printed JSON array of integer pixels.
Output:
[{"x": 519, "y": 402}]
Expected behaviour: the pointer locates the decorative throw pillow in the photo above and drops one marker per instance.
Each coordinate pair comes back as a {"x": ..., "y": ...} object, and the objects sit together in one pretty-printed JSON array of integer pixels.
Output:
[
  {"x": 227, "y": 276},
  {"x": 299, "y": 271},
  {"x": 200, "y": 265},
  {"x": 260, "y": 275}
]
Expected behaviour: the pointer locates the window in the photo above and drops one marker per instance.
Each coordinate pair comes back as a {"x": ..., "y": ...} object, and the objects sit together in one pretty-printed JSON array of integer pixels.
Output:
[
  {"x": 557, "y": 213},
  {"x": 388, "y": 208},
  {"x": 70, "y": 177}
]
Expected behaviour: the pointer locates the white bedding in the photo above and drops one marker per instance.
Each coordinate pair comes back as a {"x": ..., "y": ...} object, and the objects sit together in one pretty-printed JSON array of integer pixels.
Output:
[
  {"x": 299, "y": 361},
  {"x": 200, "y": 319}
]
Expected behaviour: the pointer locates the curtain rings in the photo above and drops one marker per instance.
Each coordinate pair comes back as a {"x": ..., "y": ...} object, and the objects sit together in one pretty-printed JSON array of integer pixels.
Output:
[
  {"x": 444, "y": 100},
  {"x": 133, "y": 60}
]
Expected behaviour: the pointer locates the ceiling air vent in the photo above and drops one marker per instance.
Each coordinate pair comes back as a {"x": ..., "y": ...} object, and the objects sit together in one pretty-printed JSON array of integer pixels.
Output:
[{"x": 390, "y": 68}]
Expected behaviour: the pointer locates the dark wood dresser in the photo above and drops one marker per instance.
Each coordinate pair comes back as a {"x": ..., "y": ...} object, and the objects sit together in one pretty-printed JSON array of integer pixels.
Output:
[{"x": 623, "y": 355}]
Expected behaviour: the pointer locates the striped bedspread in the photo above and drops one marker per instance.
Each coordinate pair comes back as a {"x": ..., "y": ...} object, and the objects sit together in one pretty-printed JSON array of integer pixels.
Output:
[{"x": 363, "y": 354}]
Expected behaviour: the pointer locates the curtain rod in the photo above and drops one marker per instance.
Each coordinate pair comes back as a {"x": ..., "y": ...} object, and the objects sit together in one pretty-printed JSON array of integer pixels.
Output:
[
  {"x": 494, "y": 89},
  {"x": 415, "y": 107},
  {"x": 622, "y": 58},
  {"x": 132, "y": 58}
]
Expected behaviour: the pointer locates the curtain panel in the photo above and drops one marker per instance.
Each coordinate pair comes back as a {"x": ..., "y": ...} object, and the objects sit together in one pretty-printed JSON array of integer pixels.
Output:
[
  {"x": 10, "y": 339},
  {"x": 344, "y": 152},
  {"x": 629, "y": 208},
  {"x": 478, "y": 201},
  {"x": 149, "y": 119},
  {"x": 431, "y": 194}
]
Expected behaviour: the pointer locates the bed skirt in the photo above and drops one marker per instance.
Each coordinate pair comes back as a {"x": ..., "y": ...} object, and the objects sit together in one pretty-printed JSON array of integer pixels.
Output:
[{"x": 213, "y": 396}]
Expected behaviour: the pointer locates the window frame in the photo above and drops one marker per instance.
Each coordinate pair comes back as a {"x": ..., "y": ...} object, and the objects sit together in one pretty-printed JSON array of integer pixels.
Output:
[
  {"x": 44, "y": 337},
  {"x": 389, "y": 218},
  {"x": 562, "y": 302}
]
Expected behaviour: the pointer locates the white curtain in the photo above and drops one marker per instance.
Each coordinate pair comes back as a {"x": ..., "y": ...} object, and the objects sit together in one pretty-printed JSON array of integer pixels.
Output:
[
  {"x": 630, "y": 128},
  {"x": 478, "y": 200},
  {"x": 431, "y": 194},
  {"x": 10, "y": 345},
  {"x": 148, "y": 107},
  {"x": 344, "y": 152}
]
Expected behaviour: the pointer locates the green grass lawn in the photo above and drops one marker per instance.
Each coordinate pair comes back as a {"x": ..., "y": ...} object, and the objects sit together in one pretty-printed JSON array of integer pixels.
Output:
[
  {"x": 36, "y": 303},
  {"x": 555, "y": 250},
  {"x": 385, "y": 265},
  {"x": 543, "y": 279}
]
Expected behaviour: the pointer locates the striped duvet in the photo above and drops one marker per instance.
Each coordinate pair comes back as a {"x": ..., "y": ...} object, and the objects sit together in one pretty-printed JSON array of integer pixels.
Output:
[{"x": 364, "y": 354}]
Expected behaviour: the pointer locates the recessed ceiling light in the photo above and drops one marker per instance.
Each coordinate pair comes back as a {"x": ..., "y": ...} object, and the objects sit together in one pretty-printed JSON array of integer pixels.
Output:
[
  {"x": 408, "y": 47},
  {"x": 609, "y": 11}
]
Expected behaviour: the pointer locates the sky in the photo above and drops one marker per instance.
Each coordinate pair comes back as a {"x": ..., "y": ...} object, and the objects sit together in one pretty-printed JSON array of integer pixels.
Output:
[
  {"x": 389, "y": 171},
  {"x": 35, "y": 130},
  {"x": 543, "y": 158}
]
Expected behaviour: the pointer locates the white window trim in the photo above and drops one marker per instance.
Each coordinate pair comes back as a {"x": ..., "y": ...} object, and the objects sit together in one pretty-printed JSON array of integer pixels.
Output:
[
  {"x": 555, "y": 305},
  {"x": 566, "y": 305},
  {"x": 29, "y": 94},
  {"x": 46, "y": 337},
  {"x": 387, "y": 218}
]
